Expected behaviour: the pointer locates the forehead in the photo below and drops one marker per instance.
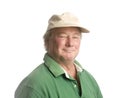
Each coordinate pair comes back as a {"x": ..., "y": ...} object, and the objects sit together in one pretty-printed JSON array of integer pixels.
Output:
[{"x": 73, "y": 30}]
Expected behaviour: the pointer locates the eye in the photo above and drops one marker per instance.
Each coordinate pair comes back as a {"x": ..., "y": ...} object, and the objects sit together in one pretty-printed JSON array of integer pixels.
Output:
[{"x": 76, "y": 37}]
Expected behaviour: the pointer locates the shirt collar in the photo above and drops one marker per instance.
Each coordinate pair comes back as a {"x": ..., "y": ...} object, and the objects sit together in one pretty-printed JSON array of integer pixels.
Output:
[
  {"x": 56, "y": 69},
  {"x": 78, "y": 68}
]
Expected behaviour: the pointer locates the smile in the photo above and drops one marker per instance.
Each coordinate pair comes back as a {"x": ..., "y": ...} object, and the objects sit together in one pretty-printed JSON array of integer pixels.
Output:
[{"x": 68, "y": 50}]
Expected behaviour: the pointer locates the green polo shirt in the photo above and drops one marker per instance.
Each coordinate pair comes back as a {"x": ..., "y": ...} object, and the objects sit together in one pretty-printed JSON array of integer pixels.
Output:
[{"x": 49, "y": 80}]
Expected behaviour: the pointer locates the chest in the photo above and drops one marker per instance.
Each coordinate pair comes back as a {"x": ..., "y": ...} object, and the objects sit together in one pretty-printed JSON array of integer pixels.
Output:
[{"x": 66, "y": 88}]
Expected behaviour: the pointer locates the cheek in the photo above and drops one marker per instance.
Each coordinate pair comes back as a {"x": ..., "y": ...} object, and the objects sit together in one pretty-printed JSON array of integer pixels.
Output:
[
  {"x": 56, "y": 45},
  {"x": 59, "y": 43},
  {"x": 77, "y": 45}
]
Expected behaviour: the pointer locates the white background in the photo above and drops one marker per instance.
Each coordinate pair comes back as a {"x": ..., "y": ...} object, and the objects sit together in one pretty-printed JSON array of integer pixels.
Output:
[{"x": 23, "y": 23}]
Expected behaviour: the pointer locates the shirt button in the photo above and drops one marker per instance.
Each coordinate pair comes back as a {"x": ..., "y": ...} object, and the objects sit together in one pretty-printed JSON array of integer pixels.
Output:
[{"x": 75, "y": 86}]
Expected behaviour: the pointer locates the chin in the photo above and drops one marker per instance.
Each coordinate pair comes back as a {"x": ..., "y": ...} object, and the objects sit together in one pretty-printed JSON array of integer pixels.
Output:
[{"x": 70, "y": 57}]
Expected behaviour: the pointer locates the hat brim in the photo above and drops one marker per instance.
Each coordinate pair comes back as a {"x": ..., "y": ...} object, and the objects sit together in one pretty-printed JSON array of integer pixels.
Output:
[{"x": 82, "y": 30}]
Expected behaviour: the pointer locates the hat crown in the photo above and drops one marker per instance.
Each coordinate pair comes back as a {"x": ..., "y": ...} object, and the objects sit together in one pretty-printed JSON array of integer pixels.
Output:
[
  {"x": 69, "y": 16},
  {"x": 66, "y": 19}
]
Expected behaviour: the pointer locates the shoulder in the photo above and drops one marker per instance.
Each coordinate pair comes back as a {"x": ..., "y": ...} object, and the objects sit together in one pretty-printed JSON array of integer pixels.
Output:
[
  {"x": 35, "y": 83},
  {"x": 87, "y": 76},
  {"x": 38, "y": 78}
]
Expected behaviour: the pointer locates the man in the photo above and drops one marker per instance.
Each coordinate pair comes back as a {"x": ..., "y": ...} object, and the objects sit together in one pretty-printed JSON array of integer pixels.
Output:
[{"x": 60, "y": 76}]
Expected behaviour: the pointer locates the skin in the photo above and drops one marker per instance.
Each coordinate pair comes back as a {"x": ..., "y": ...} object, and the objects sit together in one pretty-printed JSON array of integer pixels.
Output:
[{"x": 63, "y": 47}]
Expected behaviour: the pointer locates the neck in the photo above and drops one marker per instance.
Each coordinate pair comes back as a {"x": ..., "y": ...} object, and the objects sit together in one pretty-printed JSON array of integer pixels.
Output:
[
  {"x": 71, "y": 70},
  {"x": 68, "y": 66}
]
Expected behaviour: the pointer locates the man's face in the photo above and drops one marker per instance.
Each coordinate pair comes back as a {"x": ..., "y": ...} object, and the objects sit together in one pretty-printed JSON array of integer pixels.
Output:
[{"x": 64, "y": 43}]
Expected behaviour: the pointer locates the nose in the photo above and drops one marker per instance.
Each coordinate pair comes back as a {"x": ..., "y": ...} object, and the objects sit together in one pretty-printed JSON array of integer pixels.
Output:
[{"x": 69, "y": 42}]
